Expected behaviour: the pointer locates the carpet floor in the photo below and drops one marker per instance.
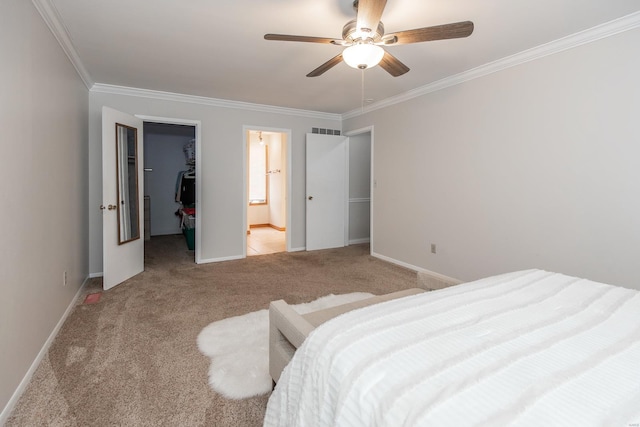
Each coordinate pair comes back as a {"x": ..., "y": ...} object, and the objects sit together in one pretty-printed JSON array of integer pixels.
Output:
[{"x": 131, "y": 359}]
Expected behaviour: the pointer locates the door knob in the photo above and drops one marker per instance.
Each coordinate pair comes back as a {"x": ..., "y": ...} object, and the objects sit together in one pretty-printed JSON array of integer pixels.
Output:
[
  {"x": 102, "y": 207},
  {"x": 310, "y": 197},
  {"x": 112, "y": 207}
]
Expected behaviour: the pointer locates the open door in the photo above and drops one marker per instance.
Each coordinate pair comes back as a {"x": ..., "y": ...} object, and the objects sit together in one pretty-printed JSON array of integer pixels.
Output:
[
  {"x": 326, "y": 191},
  {"x": 122, "y": 188}
]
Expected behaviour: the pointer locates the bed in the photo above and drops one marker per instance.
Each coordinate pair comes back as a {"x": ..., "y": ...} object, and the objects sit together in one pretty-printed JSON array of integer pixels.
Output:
[{"x": 528, "y": 348}]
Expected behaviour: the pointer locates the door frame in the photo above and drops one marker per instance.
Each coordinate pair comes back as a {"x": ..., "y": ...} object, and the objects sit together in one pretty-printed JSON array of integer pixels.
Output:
[
  {"x": 287, "y": 145},
  {"x": 372, "y": 184},
  {"x": 198, "y": 125}
]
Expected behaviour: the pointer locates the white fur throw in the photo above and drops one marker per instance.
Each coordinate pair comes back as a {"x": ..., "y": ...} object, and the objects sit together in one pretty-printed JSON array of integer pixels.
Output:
[{"x": 239, "y": 348}]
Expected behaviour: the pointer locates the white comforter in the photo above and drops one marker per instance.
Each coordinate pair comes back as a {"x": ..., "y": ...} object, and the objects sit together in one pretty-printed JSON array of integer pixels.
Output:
[{"x": 529, "y": 348}]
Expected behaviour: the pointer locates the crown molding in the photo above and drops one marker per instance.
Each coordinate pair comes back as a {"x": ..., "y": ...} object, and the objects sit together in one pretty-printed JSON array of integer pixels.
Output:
[
  {"x": 211, "y": 102},
  {"x": 607, "y": 29},
  {"x": 51, "y": 17}
]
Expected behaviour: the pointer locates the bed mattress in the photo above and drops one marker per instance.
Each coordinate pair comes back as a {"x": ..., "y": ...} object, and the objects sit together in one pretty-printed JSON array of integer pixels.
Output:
[{"x": 528, "y": 348}]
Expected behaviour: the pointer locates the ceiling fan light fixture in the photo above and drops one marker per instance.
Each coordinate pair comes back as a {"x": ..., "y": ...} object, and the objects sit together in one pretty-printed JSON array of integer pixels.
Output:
[{"x": 363, "y": 55}]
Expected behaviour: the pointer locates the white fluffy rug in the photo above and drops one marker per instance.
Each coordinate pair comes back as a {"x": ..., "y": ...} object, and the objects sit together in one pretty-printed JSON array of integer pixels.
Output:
[{"x": 239, "y": 348}]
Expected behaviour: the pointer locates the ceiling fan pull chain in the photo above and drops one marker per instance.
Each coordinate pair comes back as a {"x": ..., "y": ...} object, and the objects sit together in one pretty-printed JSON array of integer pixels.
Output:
[{"x": 362, "y": 91}]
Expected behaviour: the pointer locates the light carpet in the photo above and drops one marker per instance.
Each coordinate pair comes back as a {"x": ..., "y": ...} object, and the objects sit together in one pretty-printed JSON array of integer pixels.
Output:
[
  {"x": 239, "y": 348},
  {"x": 132, "y": 359}
]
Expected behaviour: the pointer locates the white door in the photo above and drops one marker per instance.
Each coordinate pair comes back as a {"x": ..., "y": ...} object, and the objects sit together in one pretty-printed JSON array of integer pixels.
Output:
[
  {"x": 122, "y": 189},
  {"x": 326, "y": 191}
]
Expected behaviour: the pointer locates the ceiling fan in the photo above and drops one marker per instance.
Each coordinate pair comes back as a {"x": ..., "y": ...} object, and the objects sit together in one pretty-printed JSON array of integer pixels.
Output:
[{"x": 364, "y": 38}]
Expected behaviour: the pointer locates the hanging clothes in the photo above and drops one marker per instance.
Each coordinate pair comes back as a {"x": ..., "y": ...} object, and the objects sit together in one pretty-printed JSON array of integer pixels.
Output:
[
  {"x": 188, "y": 189},
  {"x": 179, "y": 186}
]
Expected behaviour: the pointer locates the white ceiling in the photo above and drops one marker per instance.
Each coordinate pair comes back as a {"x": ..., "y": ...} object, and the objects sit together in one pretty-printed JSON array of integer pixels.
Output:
[{"x": 215, "y": 48}]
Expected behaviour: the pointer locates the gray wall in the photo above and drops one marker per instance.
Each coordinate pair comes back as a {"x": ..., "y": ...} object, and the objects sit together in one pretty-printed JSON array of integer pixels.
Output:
[
  {"x": 535, "y": 166},
  {"x": 359, "y": 187},
  {"x": 163, "y": 153},
  {"x": 223, "y": 162},
  {"x": 44, "y": 183}
]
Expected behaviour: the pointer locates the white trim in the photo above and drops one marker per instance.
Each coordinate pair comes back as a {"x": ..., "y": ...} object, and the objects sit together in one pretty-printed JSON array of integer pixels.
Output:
[
  {"x": 355, "y": 132},
  {"x": 360, "y": 200},
  {"x": 6, "y": 412},
  {"x": 298, "y": 249},
  {"x": 221, "y": 259},
  {"x": 415, "y": 268},
  {"x": 198, "y": 231},
  {"x": 52, "y": 18},
  {"x": 245, "y": 187},
  {"x": 212, "y": 102},
  {"x": 289, "y": 195},
  {"x": 439, "y": 276},
  {"x": 94, "y": 275},
  {"x": 358, "y": 241},
  {"x": 347, "y": 207},
  {"x": 367, "y": 129},
  {"x": 197, "y": 124},
  {"x": 395, "y": 261},
  {"x": 169, "y": 120},
  {"x": 371, "y": 194},
  {"x": 596, "y": 33}
]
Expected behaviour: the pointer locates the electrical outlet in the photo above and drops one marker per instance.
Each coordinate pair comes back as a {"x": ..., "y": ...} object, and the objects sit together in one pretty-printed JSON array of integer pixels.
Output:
[
  {"x": 64, "y": 278},
  {"x": 433, "y": 248}
]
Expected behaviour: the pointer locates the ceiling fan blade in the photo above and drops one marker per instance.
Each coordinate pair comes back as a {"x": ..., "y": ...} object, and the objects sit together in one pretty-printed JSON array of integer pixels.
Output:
[
  {"x": 326, "y": 66},
  {"x": 392, "y": 65},
  {"x": 290, "y": 38},
  {"x": 369, "y": 14},
  {"x": 438, "y": 32}
]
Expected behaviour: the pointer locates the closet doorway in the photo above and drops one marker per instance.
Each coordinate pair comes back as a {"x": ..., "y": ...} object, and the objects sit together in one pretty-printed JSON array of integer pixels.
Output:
[
  {"x": 171, "y": 186},
  {"x": 361, "y": 185},
  {"x": 267, "y": 208}
]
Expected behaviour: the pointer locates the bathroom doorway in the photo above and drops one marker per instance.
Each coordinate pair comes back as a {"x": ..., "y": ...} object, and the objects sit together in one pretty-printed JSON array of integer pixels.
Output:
[{"x": 267, "y": 189}]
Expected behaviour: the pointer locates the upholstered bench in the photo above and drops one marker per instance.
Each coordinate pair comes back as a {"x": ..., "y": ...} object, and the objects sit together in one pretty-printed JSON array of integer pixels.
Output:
[{"x": 288, "y": 329}]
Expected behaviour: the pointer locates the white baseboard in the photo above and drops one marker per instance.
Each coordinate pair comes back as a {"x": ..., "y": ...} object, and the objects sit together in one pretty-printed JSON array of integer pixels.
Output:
[
  {"x": 358, "y": 241},
  {"x": 395, "y": 261},
  {"x": 300, "y": 249},
  {"x": 228, "y": 258},
  {"x": 6, "y": 412},
  {"x": 94, "y": 275},
  {"x": 415, "y": 268},
  {"x": 234, "y": 257}
]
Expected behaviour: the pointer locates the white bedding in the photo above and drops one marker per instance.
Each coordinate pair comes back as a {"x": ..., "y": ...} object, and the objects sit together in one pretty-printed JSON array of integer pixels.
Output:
[{"x": 529, "y": 348}]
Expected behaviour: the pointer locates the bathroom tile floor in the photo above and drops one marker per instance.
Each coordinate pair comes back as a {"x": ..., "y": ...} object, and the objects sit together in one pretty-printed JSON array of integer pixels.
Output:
[{"x": 265, "y": 240}]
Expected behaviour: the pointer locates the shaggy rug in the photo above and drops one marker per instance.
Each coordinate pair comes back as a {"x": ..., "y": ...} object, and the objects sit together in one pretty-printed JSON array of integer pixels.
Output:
[{"x": 239, "y": 348}]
